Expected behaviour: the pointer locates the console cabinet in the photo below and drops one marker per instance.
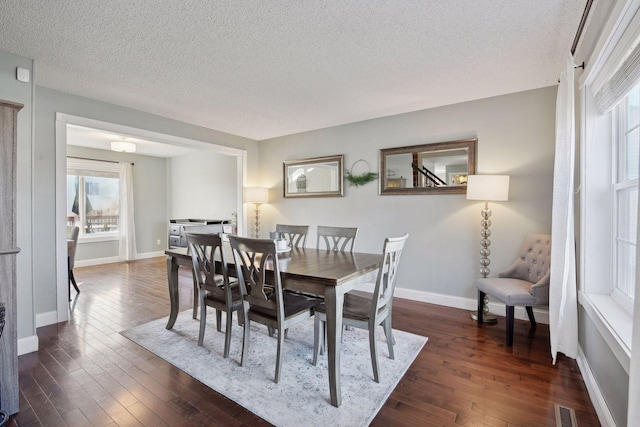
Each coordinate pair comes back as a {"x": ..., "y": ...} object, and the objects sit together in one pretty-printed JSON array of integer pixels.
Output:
[{"x": 178, "y": 229}]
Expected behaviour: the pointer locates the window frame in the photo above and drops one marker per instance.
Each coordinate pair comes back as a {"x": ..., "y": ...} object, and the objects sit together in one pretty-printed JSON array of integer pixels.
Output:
[{"x": 98, "y": 168}]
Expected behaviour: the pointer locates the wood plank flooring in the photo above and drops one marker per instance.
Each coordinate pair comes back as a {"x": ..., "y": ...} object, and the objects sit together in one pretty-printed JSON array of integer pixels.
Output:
[{"x": 86, "y": 374}]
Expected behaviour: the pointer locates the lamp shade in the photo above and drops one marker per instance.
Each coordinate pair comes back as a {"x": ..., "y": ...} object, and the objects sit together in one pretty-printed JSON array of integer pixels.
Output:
[
  {"x": 488, "y": 188},
  {"x": 256, "y": 195},
  {"x": 123, "y": 146}
]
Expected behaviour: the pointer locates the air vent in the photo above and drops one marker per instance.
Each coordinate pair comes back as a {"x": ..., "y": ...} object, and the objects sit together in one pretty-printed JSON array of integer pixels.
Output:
[{"x": 565, "y": 416}]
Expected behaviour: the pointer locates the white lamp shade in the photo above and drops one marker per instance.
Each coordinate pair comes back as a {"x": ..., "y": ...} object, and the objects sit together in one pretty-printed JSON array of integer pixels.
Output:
[
  {"x": 256, "y": 195},
  {"x": 123, "y": 146},
  {"x": 488, "y": 188}
]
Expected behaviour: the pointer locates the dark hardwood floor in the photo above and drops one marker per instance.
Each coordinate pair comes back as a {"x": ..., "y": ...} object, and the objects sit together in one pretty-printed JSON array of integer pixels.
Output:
[{"x": 85, "y": 373}]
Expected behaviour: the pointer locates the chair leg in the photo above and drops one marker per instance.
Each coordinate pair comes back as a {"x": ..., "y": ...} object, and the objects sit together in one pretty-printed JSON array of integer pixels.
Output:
[
  {"x": 195, "y": 296},
  {"x": 279, "y": 354},
  {"x": 389, "y": 335},
  {"x": 510, "y": 309},
  {"x": 245, "y": 335},
  {"x": 374, "y": 352},
  {"x": 532, "y": 318},
  {"x": 227, "y": 333},
  {"x": 219, "y": 320},
  {"x": 316, "y": 338},
  {"x": 203, "y": 320},
  {"x": 480, "y": 306}
]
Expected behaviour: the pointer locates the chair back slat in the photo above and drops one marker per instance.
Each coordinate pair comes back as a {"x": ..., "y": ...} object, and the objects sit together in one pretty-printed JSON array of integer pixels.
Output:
[
  {"x": 387, "y": 275},
  {"x": 296, "y": 235},
  {"x": 255, "y": 259},
  {"x": 337, "y": 238},
  {"x": 207, "y": 254}
]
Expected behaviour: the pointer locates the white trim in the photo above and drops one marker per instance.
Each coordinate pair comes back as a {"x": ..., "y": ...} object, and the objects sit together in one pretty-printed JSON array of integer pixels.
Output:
[
  {"x": 62, "y": 120},
  {"x": 45, "y": 319},
  {"x": 147, "y": 255},
  {"x": 597, "y": 399},
  {"x": 97, "y": 261},
  {"x": 28, "y": 345},
  {"x": 604, "y": 315},
  {"x": 541, "y": 315}
]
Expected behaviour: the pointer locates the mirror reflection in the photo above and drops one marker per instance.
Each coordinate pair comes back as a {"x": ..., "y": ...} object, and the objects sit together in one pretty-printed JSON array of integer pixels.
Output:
[
  {"x": 317, "y": 177},
  {"x": 439, "y": 168}
]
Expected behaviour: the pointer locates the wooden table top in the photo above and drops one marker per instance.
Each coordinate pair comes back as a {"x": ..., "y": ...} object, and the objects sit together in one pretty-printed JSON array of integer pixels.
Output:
[{"x": 328, "y": 267}]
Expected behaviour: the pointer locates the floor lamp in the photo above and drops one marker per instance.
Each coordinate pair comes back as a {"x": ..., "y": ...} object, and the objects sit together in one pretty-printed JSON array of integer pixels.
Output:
[
  {"x": 494, "y": 188},
  {"x": 257, "y": 196}
]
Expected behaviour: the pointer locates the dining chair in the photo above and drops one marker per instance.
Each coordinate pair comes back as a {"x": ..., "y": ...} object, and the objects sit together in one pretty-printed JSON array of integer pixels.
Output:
[
  {"x": 367, "y": 313},
  {"x": 337, "y": 238},
  {"x": 524, "y": 283},
  {"x": 256, "y": 261},
  {"x": 72, "y": 245},
  {"x": 296, "y": 235},
  {"x": 214, "y": 287}
]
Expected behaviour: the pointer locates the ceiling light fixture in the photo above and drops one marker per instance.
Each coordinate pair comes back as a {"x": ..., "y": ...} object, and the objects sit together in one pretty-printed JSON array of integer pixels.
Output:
[{"x": 123, "y": 146}]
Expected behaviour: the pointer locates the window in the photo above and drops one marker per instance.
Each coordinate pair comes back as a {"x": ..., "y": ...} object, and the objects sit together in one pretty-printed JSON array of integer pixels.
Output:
[
  {"x": 93, "y": 197},
  {"x": 625, "y": 192}
]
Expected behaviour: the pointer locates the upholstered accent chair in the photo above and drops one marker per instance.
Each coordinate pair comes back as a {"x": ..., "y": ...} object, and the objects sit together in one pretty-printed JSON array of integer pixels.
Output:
[{"x": 524, "y": 283}]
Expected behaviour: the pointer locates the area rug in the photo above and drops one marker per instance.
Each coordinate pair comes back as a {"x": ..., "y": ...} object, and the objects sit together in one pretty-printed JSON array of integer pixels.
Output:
[{"x": 302, "y": 395}]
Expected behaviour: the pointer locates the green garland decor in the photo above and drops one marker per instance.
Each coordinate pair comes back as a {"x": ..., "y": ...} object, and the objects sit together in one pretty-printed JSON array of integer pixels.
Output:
[{"x": 362, "y": 179}]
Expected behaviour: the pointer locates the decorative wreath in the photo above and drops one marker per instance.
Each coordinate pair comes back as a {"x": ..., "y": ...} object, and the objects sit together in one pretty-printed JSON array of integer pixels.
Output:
[{"x": 361, "y": 179}]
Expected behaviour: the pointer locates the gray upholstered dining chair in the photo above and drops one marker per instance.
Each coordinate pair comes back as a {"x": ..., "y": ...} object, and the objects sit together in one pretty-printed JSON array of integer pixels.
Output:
[
  {"x": 367, "y": 313},
  {"x": 263, "y": 302},
  {"x": 296, "y": 235},
  {"x": 214, "y": 287},
  {"x": 337, "y": 238},
  {"x": 72, "y": 246},
  {"x": 524, "y": 283}
]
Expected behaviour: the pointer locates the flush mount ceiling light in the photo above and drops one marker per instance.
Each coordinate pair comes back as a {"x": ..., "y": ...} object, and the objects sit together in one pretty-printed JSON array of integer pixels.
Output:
[{"x": 123, "y": 146}]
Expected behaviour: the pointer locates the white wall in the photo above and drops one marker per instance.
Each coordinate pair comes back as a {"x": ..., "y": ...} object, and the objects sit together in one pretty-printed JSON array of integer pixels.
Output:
[
  {"x": 202, "y": 185},
  {"x": 515, "y": 137}
]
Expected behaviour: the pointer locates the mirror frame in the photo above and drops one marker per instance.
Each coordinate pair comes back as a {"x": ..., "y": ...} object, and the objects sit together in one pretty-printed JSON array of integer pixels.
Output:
[
  {"x": 307, "y": 162},
  {"x": 470, "y": 144}
]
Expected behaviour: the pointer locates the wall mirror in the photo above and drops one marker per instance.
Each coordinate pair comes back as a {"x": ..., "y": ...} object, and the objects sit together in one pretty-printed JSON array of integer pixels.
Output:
[
  {"x": 439, "y": 168},
  {"x": 317, "y": 177}
]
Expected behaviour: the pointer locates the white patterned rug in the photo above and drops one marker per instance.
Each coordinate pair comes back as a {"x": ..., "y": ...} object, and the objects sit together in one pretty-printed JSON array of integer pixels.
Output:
[{"x": 302, "y": 395}]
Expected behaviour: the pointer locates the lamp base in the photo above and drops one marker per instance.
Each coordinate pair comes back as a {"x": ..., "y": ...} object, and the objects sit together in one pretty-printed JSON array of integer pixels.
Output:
[{"x": 488, "y": 318}]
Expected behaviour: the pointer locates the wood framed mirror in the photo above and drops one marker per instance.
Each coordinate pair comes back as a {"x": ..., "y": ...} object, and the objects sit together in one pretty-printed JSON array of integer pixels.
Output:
[
  {"x": 317, "y": 177},
  {"x": 438, "y": 168}
]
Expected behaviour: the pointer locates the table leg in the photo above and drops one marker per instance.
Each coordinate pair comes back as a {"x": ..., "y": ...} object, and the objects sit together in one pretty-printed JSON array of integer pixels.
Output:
[
  {"x": 174, "y": 297},
  {"x": 334, "y": 300}
]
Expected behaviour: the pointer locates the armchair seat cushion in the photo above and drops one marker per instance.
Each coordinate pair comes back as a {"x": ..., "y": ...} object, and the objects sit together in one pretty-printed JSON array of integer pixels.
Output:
[{"x": 509, "y": 291}]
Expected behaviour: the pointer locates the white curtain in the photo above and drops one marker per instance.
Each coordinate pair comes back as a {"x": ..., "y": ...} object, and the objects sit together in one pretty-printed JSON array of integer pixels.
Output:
[
  {"x": 127, "y": 224},
  {"x": 563, "y": 303},
  {"x": 634, "y": 371}
]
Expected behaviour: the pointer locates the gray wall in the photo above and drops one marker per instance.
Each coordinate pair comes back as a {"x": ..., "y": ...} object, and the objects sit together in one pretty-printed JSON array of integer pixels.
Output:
[
  {"x": 15, "y": 91},
  {"x": 48, "y": 102},
  {"x": 515, "y": 137},
  {"x": 203, "y": 185},
  {"x": 150, "y": 203}
]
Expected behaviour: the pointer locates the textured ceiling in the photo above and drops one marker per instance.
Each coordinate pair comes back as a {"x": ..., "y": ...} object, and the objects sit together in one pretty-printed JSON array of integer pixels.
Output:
[{"x": 262, "y": 69}]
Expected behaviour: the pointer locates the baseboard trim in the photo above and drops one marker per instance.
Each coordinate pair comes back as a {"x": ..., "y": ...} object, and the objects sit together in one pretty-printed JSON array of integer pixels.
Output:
[
  {"x": 114, "y": 259},
  {"x": 599, "y": 403},
  {"x": 45, "y": 319},
  {"x": 27, "y": 345},
  {"x": 542, "y": 315}
]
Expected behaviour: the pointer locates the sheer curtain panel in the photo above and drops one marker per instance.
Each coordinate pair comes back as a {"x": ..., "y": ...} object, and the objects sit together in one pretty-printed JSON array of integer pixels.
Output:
[
  {"x": 563, "y": 303},
  {"x": 127, "y": 227}
]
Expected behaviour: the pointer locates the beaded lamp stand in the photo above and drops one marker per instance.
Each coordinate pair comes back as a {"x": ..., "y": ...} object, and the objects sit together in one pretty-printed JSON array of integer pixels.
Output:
[{"x": 484, "y": 264}]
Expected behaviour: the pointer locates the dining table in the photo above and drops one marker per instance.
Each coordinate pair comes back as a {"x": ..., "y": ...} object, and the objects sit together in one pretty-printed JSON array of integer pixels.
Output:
[{"x": 325, "y": 273}]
